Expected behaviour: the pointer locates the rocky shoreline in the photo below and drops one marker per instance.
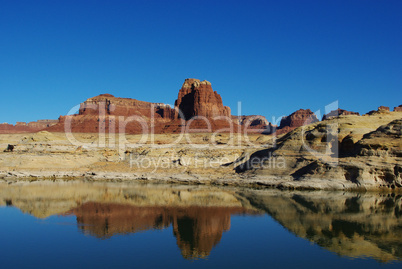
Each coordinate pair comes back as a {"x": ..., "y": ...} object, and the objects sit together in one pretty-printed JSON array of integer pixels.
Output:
[{"x": 188, "y": 179}]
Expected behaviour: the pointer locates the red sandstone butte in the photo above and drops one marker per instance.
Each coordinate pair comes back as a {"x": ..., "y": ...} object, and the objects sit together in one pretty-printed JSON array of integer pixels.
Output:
[
  {"x": 298, "y": 118},
  {"x": 338, "y": 112},
  {"x": 196, "y": 98},
  {"x": 112, "y": 114},
  {"x": 124, "y": 107},
  {"x": 201, "y": 109}
]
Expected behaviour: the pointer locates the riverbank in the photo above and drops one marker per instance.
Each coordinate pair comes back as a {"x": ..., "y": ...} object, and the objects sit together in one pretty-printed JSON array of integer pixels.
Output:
[{"x": 188, "y": 179}]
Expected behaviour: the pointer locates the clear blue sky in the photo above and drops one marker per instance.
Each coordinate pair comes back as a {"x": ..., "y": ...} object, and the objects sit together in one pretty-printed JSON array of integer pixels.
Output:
[{"x": 273, "y": 56}]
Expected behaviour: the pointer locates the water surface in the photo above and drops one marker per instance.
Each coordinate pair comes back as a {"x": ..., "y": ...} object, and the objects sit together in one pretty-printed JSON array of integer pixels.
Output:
[{"x": 119, "y": 225}]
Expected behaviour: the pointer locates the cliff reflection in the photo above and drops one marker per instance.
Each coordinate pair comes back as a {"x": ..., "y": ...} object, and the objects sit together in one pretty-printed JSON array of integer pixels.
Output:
[
  {"x": 199, "y": 215},
  {"x": 346, "y": 223},
  {"x": 197, "y": 229},
  {"x": 349, "y": 224}
]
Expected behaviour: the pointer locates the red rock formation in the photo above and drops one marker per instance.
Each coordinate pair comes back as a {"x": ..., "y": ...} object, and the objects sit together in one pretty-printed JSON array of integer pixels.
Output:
[
  {"x": 197, "y": 109},
  {"x": 203, "y": 111},
  {"x": 107, "y": 113},
  {"x": 383, "y": 108},
  {"x": 6, "y": 128},
  {"x": 109, "y": 105},
  {"x": 398, "y": 108},
  {"x": 283, "y": 130},
  {"x": 254, "y": 124},
  {"x": 201, "y": 125},
  {"x": 23, "y": 127},
  {"x": 296, "y": 119},
  {"x": 380, "y": 109},
  {"x": 338, "y": 112},
  {"x": 196, "y": 98},
  {"x": 41, "y": 124}
]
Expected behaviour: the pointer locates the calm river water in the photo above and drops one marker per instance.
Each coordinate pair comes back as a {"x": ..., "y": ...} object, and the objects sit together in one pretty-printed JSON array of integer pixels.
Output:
[{"x": 120, "y": 225}]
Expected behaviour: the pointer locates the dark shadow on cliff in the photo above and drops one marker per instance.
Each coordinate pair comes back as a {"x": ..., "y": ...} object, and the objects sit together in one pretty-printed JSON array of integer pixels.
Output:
[{"x": 256, "y": 159}]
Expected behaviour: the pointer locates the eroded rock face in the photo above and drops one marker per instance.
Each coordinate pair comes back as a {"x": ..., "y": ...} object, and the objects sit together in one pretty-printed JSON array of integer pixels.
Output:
[
  {"x": 106, "y": 113},
  {"x": 383, "y": 108},
  {"x": 338, "y": 112},
  {"x": 109, "y": 114},
  {"x": 383, "y": 142},
  {"x": 296, "y": 119},
  {"x": 123, "y": 107},
  {"x": 398, "y": 108},
  {"x": 23, "y": 127},
  {"x": 346, "y": 152},
  {"x": 253, "y": 121},
  {"x": 196, "y": 98},
  {"x": 380, "y": 110}
]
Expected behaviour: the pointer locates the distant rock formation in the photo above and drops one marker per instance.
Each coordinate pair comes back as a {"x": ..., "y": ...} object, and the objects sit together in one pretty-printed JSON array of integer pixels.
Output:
[
  {"x": 398, "y": 108},
  {"x": 124, "y": 107},
  {"x": 196, "y": 98},
  {"x": 23, "y": 127},
  {"x": 197, "y": 109},
  {"x": 383, "y": 108},
  {"x": 296, "y": 119},
  {"x": 254, "y": 122},
  {"x": 112, "y": 114},
  {"x": 338, "y": 112}
]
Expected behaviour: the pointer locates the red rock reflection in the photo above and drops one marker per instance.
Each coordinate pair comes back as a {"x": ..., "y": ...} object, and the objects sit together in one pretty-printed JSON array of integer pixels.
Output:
[{"x": 197, "y": 229}]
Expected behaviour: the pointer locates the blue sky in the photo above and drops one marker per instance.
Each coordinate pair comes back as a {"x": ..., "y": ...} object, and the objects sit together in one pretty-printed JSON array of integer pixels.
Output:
[{"x": 273, "y": 56}]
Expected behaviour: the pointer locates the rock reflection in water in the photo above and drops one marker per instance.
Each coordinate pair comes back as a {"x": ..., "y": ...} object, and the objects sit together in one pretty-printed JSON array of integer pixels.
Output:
[
  {"x": 197, "y": 229},
  {"x": 199, "y": 215},
  {"x": 349, "y": 224}
]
